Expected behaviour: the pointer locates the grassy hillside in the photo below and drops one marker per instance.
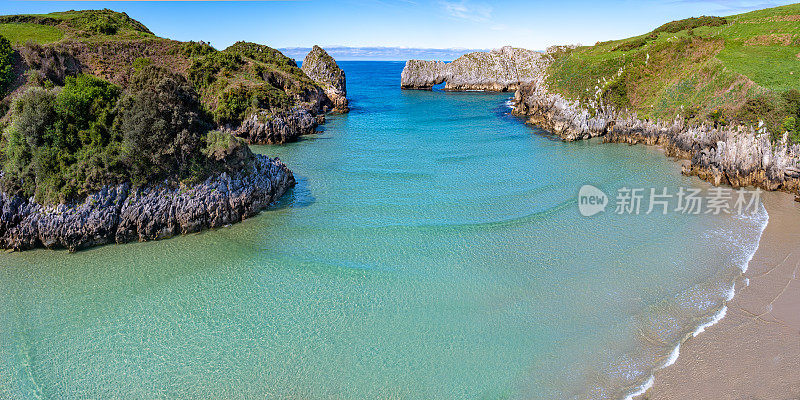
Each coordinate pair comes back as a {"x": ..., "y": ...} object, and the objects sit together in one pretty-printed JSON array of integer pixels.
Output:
[
  {"x": 234, "y": 83},
  {"x": 90, "y": 25},
  {"x": 742, "y": 68},
  {"x": 92, "y": 98}
]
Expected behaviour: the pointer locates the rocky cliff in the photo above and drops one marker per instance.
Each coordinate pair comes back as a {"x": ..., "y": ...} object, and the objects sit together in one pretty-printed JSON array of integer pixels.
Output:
[
  {"x": 276, "y": 128},
  {"x": 322, "y": 68},
  {"x": 252, "y": 90},
  {"x": 119, "y": 214},
  {"x": 498, "y": 70},
  {"x": 738, "y": 156}
]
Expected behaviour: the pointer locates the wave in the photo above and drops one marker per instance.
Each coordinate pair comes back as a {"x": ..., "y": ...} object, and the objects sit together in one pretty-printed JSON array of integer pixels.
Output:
[{"x": 715, "y": 317}]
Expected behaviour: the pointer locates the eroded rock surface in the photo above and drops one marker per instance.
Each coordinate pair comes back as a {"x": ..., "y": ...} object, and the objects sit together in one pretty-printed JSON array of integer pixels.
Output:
[
  {"x": 119, "y": 214},
  {"x": 503, "y": 69},
  {"x": 738, "y": 156},
  {"x": 322, "y": 68}
]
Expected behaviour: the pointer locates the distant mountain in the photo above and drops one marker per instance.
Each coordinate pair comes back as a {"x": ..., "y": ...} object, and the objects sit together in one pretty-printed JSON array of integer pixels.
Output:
[{"x": 381, "y": 53}]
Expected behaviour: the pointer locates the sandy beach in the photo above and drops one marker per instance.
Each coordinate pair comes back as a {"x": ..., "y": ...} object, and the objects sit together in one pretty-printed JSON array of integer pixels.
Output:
[{"x": 754, "y": 352}]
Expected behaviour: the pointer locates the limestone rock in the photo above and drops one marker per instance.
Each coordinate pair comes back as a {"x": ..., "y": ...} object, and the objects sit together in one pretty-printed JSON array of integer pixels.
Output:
[
  {"x": 118, "y": 214},
  {"x": 735, "y": 155},
  {"x": 500, "y": 70},
  {"x": 322, "y": 68}
]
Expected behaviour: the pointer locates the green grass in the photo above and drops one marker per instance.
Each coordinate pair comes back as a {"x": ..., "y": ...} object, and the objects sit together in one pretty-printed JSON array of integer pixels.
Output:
[
  {"x": 87, "y": 26},
  {"x": 19, "y": 33},
  {"x": 693, "y": 68}
]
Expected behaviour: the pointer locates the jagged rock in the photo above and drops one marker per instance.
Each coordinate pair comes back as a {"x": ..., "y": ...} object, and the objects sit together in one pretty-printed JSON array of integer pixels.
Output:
[
  {"x": 278, "y": 128},
  {"x": 738, "y": 156},
  {"x": 322, "y": 68},
  {"x": 498, "y": 70},
  {"x": 118, "y": 214}
]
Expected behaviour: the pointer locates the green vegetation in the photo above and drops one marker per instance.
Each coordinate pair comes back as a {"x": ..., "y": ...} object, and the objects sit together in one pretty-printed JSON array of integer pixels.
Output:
[
  {"x": 233, "y": 84},
  {"x": 6, "y": 64},
  {"x": 709, "y": 69},
  {"x": 96, "y": 99},
  {"x": 245, "y": 79},
  {"x": 64, "y": 144},
  {"x": 690, "y": 23},
  {"x": 236, "y": 103},
  {"x": 90, "y": 25},
  {"x": 26, "y": 32}
]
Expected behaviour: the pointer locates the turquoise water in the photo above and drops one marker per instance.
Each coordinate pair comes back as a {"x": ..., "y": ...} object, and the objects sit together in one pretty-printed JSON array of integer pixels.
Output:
[{"x": 432, "y": 249}]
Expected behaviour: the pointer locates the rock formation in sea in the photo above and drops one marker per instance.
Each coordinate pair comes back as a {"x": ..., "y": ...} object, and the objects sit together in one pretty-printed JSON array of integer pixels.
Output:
[
  {"x": 503, "y": 69},
  {"x": 119, "y": 214},
  {"x": 734, "y": 155},
  {"x": 322, "y": 68}
]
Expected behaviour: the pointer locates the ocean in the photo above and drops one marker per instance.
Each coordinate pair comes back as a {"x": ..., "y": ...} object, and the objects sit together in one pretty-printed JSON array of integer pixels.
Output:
[{"x": 432, "y": 248}]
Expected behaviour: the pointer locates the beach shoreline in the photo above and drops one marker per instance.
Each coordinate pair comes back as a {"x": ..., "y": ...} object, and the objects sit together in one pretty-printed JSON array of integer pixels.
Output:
[{"x": 754, "y": 351}]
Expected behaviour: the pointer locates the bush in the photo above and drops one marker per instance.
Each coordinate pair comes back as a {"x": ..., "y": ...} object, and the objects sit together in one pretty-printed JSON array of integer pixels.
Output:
[
  {"x": 6, "y": 64},
  {"x": 690, "y": 23},
  {"x": 141, "y": 62},
  {"x": 57, "y": 147},
  {"x": 64, "y": 143},
  {"x": 235, "y": 104},
  {"x": 53, "y": 63},
  {"x": 203, "y": 71},
  {"x": 194, "y": 49},
  {"x": 631, "y": 44},
  {"x": 161, "y": 125},
  {"x": 718, "y": 118},
  {"x": 615, "y": 92}
]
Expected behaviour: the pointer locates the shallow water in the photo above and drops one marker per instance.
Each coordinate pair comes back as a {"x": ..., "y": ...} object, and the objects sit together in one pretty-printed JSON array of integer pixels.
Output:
[{"x": 432, "y": 248}]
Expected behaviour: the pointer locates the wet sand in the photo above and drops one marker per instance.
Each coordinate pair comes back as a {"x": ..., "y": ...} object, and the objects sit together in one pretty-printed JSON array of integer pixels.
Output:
[{"x": 754, "y": 352}]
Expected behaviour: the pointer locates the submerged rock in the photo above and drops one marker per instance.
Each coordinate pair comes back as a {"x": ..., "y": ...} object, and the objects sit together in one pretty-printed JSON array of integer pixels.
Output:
[
  {"x": 499, "y": 70},
  {"x": 322, "y": 68},
  {"x": 119, "y": 214}
]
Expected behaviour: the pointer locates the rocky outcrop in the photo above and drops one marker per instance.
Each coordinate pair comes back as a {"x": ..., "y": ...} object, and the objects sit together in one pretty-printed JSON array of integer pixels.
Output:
[
  {"x": 738, "y": 156},
  {"x": 322, "y": 68},
  {"x": 119, "y": 214},
  {"x": 278, "y": 128},
  {"x": 499, "y": 70}
]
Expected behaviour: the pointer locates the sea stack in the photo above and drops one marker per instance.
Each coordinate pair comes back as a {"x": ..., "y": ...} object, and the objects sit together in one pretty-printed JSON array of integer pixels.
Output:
[{"x": 322, "y": 68}]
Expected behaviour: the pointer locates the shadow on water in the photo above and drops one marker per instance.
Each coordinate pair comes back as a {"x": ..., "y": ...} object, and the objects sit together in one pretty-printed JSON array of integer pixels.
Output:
[{"x": 297, "y": 197}]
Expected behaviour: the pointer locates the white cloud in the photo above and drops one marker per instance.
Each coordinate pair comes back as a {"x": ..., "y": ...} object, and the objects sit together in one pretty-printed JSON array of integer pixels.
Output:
[{"x": 477, "y": 12}]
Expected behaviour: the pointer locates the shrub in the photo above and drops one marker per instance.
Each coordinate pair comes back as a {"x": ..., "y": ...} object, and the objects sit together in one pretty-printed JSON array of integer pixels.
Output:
[
  {"x": 6, "y": 64},
  {"x": 615, "y": 92},
  {"x": 631, "y": 44},
  {"x": 718, "y": 118},
  {"x": 57, "y": 145},
  {"x": 52, "y": 63},
  {"x": 237, "y": 103},
  {"x": 141, "y": 62},
  {"x": 161, "y": 125},
  {"x": 194, "y": 49},
  {"x": 690, "y": 23},
  {"x": 758, "y": 109},
  {"x": 203, "y": 71}
]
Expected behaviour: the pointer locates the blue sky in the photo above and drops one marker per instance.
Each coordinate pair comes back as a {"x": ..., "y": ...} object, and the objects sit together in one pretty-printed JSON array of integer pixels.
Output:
[{"x": 403, "y": 23}]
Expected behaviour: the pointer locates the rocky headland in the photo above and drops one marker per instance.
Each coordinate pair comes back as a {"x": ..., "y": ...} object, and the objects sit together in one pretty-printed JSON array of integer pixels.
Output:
[
  {"x": 120, "y": 213},
  {"x": 252, "y": 90},
  {"x": 734, "y": 155},
  {"x": 322, "y": 68},
  {"x": 500, "y": 70}
]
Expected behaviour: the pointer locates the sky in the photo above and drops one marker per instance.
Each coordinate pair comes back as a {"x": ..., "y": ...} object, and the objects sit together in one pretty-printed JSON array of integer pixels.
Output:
[{"x": 426, "y": 24}]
